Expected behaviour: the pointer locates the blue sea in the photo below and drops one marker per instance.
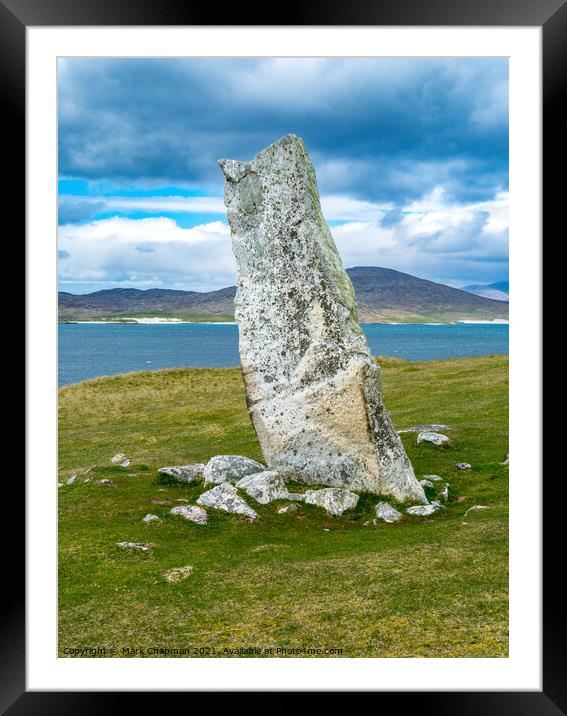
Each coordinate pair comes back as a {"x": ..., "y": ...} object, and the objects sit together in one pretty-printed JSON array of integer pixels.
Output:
[{"x": 90, "y": 350}]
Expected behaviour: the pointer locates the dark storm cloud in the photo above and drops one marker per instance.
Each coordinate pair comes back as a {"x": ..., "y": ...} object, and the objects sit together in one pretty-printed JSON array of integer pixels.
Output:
[{"x": 386, "y": 130}]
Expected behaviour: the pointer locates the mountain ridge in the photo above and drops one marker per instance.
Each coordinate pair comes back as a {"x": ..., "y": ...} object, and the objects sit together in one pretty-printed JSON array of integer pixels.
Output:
[{"x": 383, "y": 295}]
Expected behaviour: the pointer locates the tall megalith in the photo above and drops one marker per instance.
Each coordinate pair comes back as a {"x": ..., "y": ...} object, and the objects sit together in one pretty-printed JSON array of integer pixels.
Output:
[{"x": 313, "y": 390}]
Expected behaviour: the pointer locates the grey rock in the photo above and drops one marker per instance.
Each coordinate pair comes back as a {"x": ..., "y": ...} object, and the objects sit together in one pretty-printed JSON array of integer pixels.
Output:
[
  {"x": 134, "y": 545},
  {"x": 445, "y": 492},
  {"x": 433, "y": 478},
  {"x": 264, "y": 486},
  {"x": 105, "y": 482},
  {"x": 435, "y": 427},
  {"x": 425, "y": 483},
  {"x": 507, "y": 460},
  {"x": 71, "y": 480},
  {"x": 230, "y": 468},
  {"x": 424, "y": 510},
  {"x": 335, "y": 500},
  {"x": 118, "y": 458},
  {"x": 386, "y": 512},
  {"x": 184, "y": 473},
  {"x": 432, "y": 437},
  {"x": 59, "y": 484},
  {"x": 225, "y": 497},
  {"x": 125, "y": 463},
  {"x": 475, "y": 507},
  {"x": 191, "y": 513},
  {"x": 149, "y": 518},
  {"x": 313, "y": 389},
  {"x": 463, "y": 466},
  {"x": 287, "y": 508},
  {"x": 131, "y": 474}
]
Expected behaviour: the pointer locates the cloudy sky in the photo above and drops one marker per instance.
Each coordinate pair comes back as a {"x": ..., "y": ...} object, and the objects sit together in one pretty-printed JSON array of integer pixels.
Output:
[{"x": 411, "y": 157}]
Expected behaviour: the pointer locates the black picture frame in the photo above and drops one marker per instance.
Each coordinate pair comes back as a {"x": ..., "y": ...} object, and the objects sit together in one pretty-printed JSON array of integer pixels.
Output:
[{"x": 551, "y": 16}]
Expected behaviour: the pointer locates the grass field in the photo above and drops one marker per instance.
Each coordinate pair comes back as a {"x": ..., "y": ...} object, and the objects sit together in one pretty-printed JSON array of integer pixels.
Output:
[{"x": 423, "y": 587}]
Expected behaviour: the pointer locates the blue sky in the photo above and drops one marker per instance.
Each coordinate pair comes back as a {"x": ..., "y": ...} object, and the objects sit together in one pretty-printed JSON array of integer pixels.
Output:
[{"x": 411, "y": 157}]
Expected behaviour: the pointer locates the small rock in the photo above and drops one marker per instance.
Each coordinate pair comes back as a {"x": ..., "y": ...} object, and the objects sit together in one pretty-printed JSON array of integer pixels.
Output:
[
  {"x": 433, "y": 478},
  {"x": 425, "y": 428},
  {"x": 507, "y": 460},
  {"x": 126, "y": 463},
  {"x": 475, "y": 507},
  {"x": 118, "y": 458},
  {"x": 230, "y": 468},
  {"x": 181, "y": 499},
  {"x": 134, "y": 545},
  {"x": 131, "y": 474},
  {"x": 149, "y": 518},
  {"x": 386, "y": 512},
  {"x": 178, "y": 573},
  {"x": 59, "y": 484},
  {"x": 185, "y": 473},
  {"x": 71, "y": 480},
  {"x": 105, "y": 482},
  {"x": 225, "y": 497},
  {"x": 87, "y": 480},
  {"x": 445, "y": 492},
  {"x": 425, "y": 483},
  {"x": 432, "y": 437},
  {"x": 191, "y": 513},
  {"x": 463, "y": 466},
  {"x": 287, "y": 508},
  {"x": 264, "y": 486},
  {"x": 333, "y": 499},
  {"x": 424, "y": 510},
  {"x": 326, "y": 529}
]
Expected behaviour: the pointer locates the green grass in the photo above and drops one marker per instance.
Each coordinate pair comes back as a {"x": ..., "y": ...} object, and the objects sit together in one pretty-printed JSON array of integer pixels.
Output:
[{"x": 424, "y": 587}]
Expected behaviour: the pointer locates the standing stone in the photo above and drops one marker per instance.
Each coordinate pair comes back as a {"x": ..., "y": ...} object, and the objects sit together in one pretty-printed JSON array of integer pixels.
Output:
[{"x": 313, "y": 390}]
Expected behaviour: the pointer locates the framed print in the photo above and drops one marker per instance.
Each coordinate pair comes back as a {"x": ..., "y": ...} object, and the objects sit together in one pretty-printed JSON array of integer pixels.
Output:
[{"x": 283, "y": 366}]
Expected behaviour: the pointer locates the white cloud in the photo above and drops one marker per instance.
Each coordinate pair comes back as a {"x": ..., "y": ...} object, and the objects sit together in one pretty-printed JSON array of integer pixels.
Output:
[{"x": 434, "y": 237}]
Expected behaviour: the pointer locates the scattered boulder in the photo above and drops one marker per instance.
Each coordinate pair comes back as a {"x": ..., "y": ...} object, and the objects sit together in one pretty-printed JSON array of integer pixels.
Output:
[
  {"x": 424, "y": 510},
  {"x": 71, "y": 480},
  {"x": 433, "y": 478},
  {"x": 125, "y": 463},
  {"x": 184, "y": 473},
  {"x": 467, "y": 467},
  {"x": 264, "y": 486},
  {"x": 507, "y": 460},
  {"x": 313, "y": 389},
  {"x": 445, "y": 492},
  {"x": 386, "y": 512},
  {"x": 434, "y": 427},
  {"x": 118, "y": 458},
  {"x": 287, "y": 508},
  {"x": 178, "y": 573},
  {"x": 425, "y": 483},
  {"x": 475, "y": 507},
  {"x": 225, "y": 497},
  {"x": 230, "y": 468},
  {"x": 149, "y": 518},
  {"x": 131, "y": 474},
  {"x": 106, "y": 482},
  {"x": 191, "y": 513},
  {"x": 335, "y": 500},
  {"x": 432, "y": 437},
  {"x": 134, "y": 545}
]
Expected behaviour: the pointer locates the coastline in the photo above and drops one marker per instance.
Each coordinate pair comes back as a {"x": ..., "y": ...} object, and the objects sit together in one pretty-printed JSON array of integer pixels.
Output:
[{"x": 178, "y": 321}]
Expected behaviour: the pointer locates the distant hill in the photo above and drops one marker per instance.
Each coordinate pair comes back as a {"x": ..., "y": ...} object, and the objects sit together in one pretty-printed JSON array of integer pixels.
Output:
[
  {"x": 499, "y": 291},
  {"x": 383, "y": 295}
]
